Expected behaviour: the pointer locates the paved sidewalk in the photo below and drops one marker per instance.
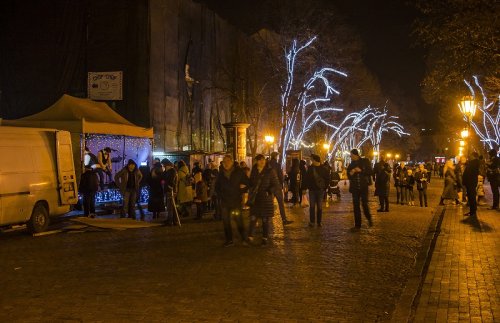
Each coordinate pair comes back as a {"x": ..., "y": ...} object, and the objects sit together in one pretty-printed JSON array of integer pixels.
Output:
[
  {"x": 171, "y": 274},
  {"x": 463, "y": 280}
]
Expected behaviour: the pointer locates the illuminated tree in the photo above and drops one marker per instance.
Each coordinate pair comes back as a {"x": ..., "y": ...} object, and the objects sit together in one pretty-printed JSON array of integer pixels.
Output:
[
  {"x": 304, "y": 105},
  {"x": 488, "y": 128}
]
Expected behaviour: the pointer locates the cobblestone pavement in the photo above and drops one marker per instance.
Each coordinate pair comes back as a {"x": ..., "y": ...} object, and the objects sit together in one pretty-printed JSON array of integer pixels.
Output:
[
  {"x": 185, "y": 275},
  {"x": 463, "y": 280}
]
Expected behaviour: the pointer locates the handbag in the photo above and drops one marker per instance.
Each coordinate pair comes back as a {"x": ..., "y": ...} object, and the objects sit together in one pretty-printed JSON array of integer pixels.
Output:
[
  {"x": 305, "y": 201},
  {"x": 252, "y": 193}
]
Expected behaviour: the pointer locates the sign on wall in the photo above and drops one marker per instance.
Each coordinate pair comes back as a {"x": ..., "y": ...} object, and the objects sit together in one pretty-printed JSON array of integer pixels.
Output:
[{"x": 105, "y": 85}]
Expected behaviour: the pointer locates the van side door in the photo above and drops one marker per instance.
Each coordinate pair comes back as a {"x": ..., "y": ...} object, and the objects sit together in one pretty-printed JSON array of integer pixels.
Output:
[{"x": 68, "y": 192}]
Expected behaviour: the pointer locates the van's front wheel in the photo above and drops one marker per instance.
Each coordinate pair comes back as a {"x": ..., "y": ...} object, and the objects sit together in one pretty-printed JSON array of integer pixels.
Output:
[{"x": 39, "y": 220}]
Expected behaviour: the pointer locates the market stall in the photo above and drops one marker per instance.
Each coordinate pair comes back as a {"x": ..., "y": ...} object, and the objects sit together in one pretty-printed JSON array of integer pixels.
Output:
[{"x": 96, "y": 126}]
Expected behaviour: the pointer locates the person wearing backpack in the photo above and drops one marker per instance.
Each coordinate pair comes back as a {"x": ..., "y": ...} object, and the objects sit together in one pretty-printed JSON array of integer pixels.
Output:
[
  {"x": 359, "y": 172},
  {"x": 316, "y": 179}
]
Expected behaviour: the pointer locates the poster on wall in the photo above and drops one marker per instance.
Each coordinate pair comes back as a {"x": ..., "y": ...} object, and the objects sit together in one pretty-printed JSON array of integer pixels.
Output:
[{"x": 106, "y": 86}]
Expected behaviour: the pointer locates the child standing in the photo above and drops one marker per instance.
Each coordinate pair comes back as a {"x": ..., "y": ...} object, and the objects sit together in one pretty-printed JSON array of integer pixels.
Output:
[
  {"x": 410, "y": 184},
  {"x": 201, "y": 198}
]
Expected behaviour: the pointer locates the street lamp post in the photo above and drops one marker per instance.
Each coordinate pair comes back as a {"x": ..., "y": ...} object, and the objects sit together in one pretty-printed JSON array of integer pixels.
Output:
[
  {"x": 269, "y": 141},
  {"x": 468, "y": 108},
  {"x": 326, "y": 147}
]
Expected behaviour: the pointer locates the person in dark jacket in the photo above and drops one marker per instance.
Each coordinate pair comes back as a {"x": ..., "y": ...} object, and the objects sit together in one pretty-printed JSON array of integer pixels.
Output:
[
  {"x": 493, "y": 175},
  {"x": 89, "y": 185},
  {"x": 128, "y": 181},
  {"x": 156, "y": 203},
  {"x": 400, "y": 182},
  {"x": 359, "y": 171},
  {"x": 230, "y": 185},
  {"x": 263, "y": 182},
  {"x": 382, "y": 173},
  {"x": 303, "y": 172},
  {"x": 469, "y": 180},
  {"x": 421, "y": 178},
  {"x": 274, "y": 164},
  {"x": 295, "y": 177},
  {"x": 317, "y": 179},
  {"x": 170, "y": 189},
  {"x": 201, "y": 194}
]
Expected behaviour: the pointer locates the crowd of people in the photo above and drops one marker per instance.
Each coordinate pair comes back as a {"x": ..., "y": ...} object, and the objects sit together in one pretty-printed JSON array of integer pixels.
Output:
[{"x": 230, "y": 188}]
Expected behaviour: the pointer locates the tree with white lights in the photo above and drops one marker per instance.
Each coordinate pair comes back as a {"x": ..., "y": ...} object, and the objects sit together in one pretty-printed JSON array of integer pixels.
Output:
[
  {"x": 304, "y": 105},
  {"x": 358, "y": 128},
  {"x": 488, "y": 128}
]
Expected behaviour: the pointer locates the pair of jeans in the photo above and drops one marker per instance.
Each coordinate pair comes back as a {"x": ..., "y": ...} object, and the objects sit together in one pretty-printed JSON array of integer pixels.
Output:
[
  {"x": 316, "y": 205},
  {"x": 409, "y": 195},
  {"x": 384, "y": 203},
  {"x": 227, "y": 215},
  {"x": 88, "y": 203},
  {"x": 281, "y": 204},
  {"x": 101, "y": 173},
  {"x": 170, "y": 203},
  {"x": 129, "y": 200},
  {"x": 471, "y": 196},
  {"x": 265, "y": 226},
  {"x": 360, "y": 198},
  {"x": 399, "y": 197},
  {"x": 422, "y": 196}
]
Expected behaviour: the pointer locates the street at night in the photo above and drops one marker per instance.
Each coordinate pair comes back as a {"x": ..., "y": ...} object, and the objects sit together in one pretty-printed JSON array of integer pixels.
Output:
[
  {"x": 249, "y": 161},
  {"x": 183, "y": 274}
]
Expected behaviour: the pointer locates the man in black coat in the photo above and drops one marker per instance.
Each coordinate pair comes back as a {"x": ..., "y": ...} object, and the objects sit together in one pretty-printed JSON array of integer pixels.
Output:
[
  {"x": 230, "y": 185},
  {"x": 170, "y": 189},
  {"x": 316, "y": 180},
  {"x": 359, "y": 172},
  {"x": 469, "y": 180}
]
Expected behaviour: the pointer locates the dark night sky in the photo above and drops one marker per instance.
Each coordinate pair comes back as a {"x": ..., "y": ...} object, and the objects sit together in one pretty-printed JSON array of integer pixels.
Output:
[{"x": 384, "y": 25}]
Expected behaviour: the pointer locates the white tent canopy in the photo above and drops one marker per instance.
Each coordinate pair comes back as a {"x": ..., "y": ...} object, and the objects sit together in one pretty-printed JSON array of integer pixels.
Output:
[{"x": 82, "y": 116}]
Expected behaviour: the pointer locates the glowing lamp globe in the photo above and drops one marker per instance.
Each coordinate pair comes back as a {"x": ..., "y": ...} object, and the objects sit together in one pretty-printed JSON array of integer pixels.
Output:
[
  {"x": 468, "y": 106},
  {"x": 269, "y": 139}
]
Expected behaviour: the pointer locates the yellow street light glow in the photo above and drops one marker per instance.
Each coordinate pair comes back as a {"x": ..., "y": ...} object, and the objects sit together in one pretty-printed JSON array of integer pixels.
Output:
[
  {"x": 464, "y": 133},
  {"x": 462, "y": 143},
  {"x": 389, "y": 155},
  {"x": 397, "y": 156},
  {"x": 375, "y": 153},
  {"x": 468, "y": 106},
  {"x": 269, "y": 139},
  {"x": 326, "y": 146}
]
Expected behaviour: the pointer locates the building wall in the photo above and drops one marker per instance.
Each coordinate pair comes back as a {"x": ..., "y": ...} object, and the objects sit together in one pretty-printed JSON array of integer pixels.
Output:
[{"x": 184, "y": 32}]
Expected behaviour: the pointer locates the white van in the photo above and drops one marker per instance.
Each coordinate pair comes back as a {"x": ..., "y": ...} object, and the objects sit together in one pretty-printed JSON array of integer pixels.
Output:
[{"x": 37, "y": 176}]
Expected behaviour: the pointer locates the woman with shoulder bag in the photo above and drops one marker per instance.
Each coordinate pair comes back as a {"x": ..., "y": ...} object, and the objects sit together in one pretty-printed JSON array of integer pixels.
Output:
[{"x": 263, "y": 183}]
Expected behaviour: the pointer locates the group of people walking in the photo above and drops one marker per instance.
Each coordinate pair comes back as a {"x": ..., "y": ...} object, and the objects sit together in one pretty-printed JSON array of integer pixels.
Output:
[{"x": 232, "y": 186}]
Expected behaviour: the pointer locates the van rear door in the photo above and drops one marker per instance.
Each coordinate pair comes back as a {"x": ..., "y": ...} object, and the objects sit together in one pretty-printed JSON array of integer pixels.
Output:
[{"x": 65, "y": 169}]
